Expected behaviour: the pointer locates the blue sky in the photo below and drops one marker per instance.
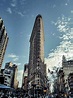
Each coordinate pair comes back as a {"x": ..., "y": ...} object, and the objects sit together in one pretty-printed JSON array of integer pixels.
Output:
[{"x": 19, "y": 17}]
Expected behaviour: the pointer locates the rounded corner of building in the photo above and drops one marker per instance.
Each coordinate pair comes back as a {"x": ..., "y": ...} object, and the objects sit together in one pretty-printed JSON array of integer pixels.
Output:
[{"x": 39, "y": 15}]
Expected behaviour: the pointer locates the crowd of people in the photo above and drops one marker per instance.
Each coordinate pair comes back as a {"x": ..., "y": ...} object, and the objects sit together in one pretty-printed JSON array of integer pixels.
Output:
[
  {"x": 11, "y": 94},
  {"x": 7, "y": 93}
]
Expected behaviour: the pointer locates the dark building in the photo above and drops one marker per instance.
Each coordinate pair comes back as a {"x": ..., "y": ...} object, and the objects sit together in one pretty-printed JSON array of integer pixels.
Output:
[
  {"x": 3, "y": 41},
  {"x": 37, "y": 68},
  {"x": 25, "y": 78},
  {"x": 10, "y": 75},
  {"x": 60, "y": 82},
  {"x": 1, "y": 77}
]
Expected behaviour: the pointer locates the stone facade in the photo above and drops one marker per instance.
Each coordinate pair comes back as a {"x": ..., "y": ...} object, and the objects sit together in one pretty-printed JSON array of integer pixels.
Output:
[
  {"x": 68, "y": 73},
  {"x": 37, "y": 68}
]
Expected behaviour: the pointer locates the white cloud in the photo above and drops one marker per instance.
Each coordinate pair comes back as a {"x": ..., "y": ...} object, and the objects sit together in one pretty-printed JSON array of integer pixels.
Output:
[
  {"x": 9, "y": 10},
  {"x": 15, "y": 59},
  {"x": 66, "y": 45},
  {"x": 54, "y": 6},
  {"x": 13, "y": 3},
  {"x": 62, "y": 24},
  {"x": 66, "y": 4},
  {"x": 22, "y": 2},
  {"x": 13, "y": 56},
  {"x": 21, "y": 14},
  {"x": 65, "y": 37},
  {"x": 72, "y": 11}
]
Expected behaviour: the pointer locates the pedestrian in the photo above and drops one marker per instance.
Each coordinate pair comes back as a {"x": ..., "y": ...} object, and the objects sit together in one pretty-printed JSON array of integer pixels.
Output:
[
  {"x": 49, "y": 96},
  {"x": 57, "y": 96}
]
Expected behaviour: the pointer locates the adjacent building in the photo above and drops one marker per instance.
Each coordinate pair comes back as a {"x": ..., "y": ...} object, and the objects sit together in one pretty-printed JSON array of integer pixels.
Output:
[
  {"x": 25, "y": 78},
  {"x": 3, "y": 41},
  {"x": 70, "y": 84},
  {"x": 10, "y": 75},
  {"x": 63, "y": 85},
  {"x": 37, "y": 68},
  {"x": 68, "y": 73},
  {"x": 60, "y": 84},
  {"x": 67, "y": 67}
]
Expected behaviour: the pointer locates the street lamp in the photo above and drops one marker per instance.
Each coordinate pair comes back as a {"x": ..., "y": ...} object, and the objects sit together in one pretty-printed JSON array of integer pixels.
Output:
[{"x": 34, "y": 85}]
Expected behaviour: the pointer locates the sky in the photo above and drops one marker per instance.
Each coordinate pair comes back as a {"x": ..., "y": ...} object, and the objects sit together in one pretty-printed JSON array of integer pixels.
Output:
[{"x": 19, "y": 17}]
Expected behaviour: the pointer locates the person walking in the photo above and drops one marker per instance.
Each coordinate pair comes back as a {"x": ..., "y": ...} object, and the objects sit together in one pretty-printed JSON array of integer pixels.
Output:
[
  {"x": 49, "y": 96},
  {"x": 57, "y": 96}
]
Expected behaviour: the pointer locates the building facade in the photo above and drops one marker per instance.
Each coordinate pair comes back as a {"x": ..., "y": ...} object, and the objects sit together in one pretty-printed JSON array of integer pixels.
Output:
[
  {"x": 70, "y": 84},
  {"x": 64, "y": 83},
  {"x": 10, "y": 75},
  {"x": 68, "y": 73},
  {"x": 60, "y": 82},
  {"x": 37, "y": 68},
  {"x": 3, "y": 41},
  {"x": 1, "y": 77},
  {"x": 25, "y": 78}
]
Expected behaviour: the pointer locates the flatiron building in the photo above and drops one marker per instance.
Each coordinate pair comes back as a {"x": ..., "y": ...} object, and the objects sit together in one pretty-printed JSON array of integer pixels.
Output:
[{"x": 37, "y": 68}]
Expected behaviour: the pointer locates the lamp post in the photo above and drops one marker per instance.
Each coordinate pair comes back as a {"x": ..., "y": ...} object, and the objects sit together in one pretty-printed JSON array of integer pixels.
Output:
[{"x": 34, "y": 85}]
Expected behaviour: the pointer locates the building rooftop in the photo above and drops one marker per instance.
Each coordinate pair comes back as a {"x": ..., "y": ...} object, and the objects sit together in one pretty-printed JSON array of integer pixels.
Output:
[
  {"x": 70, "y": 61},
  {"x": 39, "y": 16}
]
